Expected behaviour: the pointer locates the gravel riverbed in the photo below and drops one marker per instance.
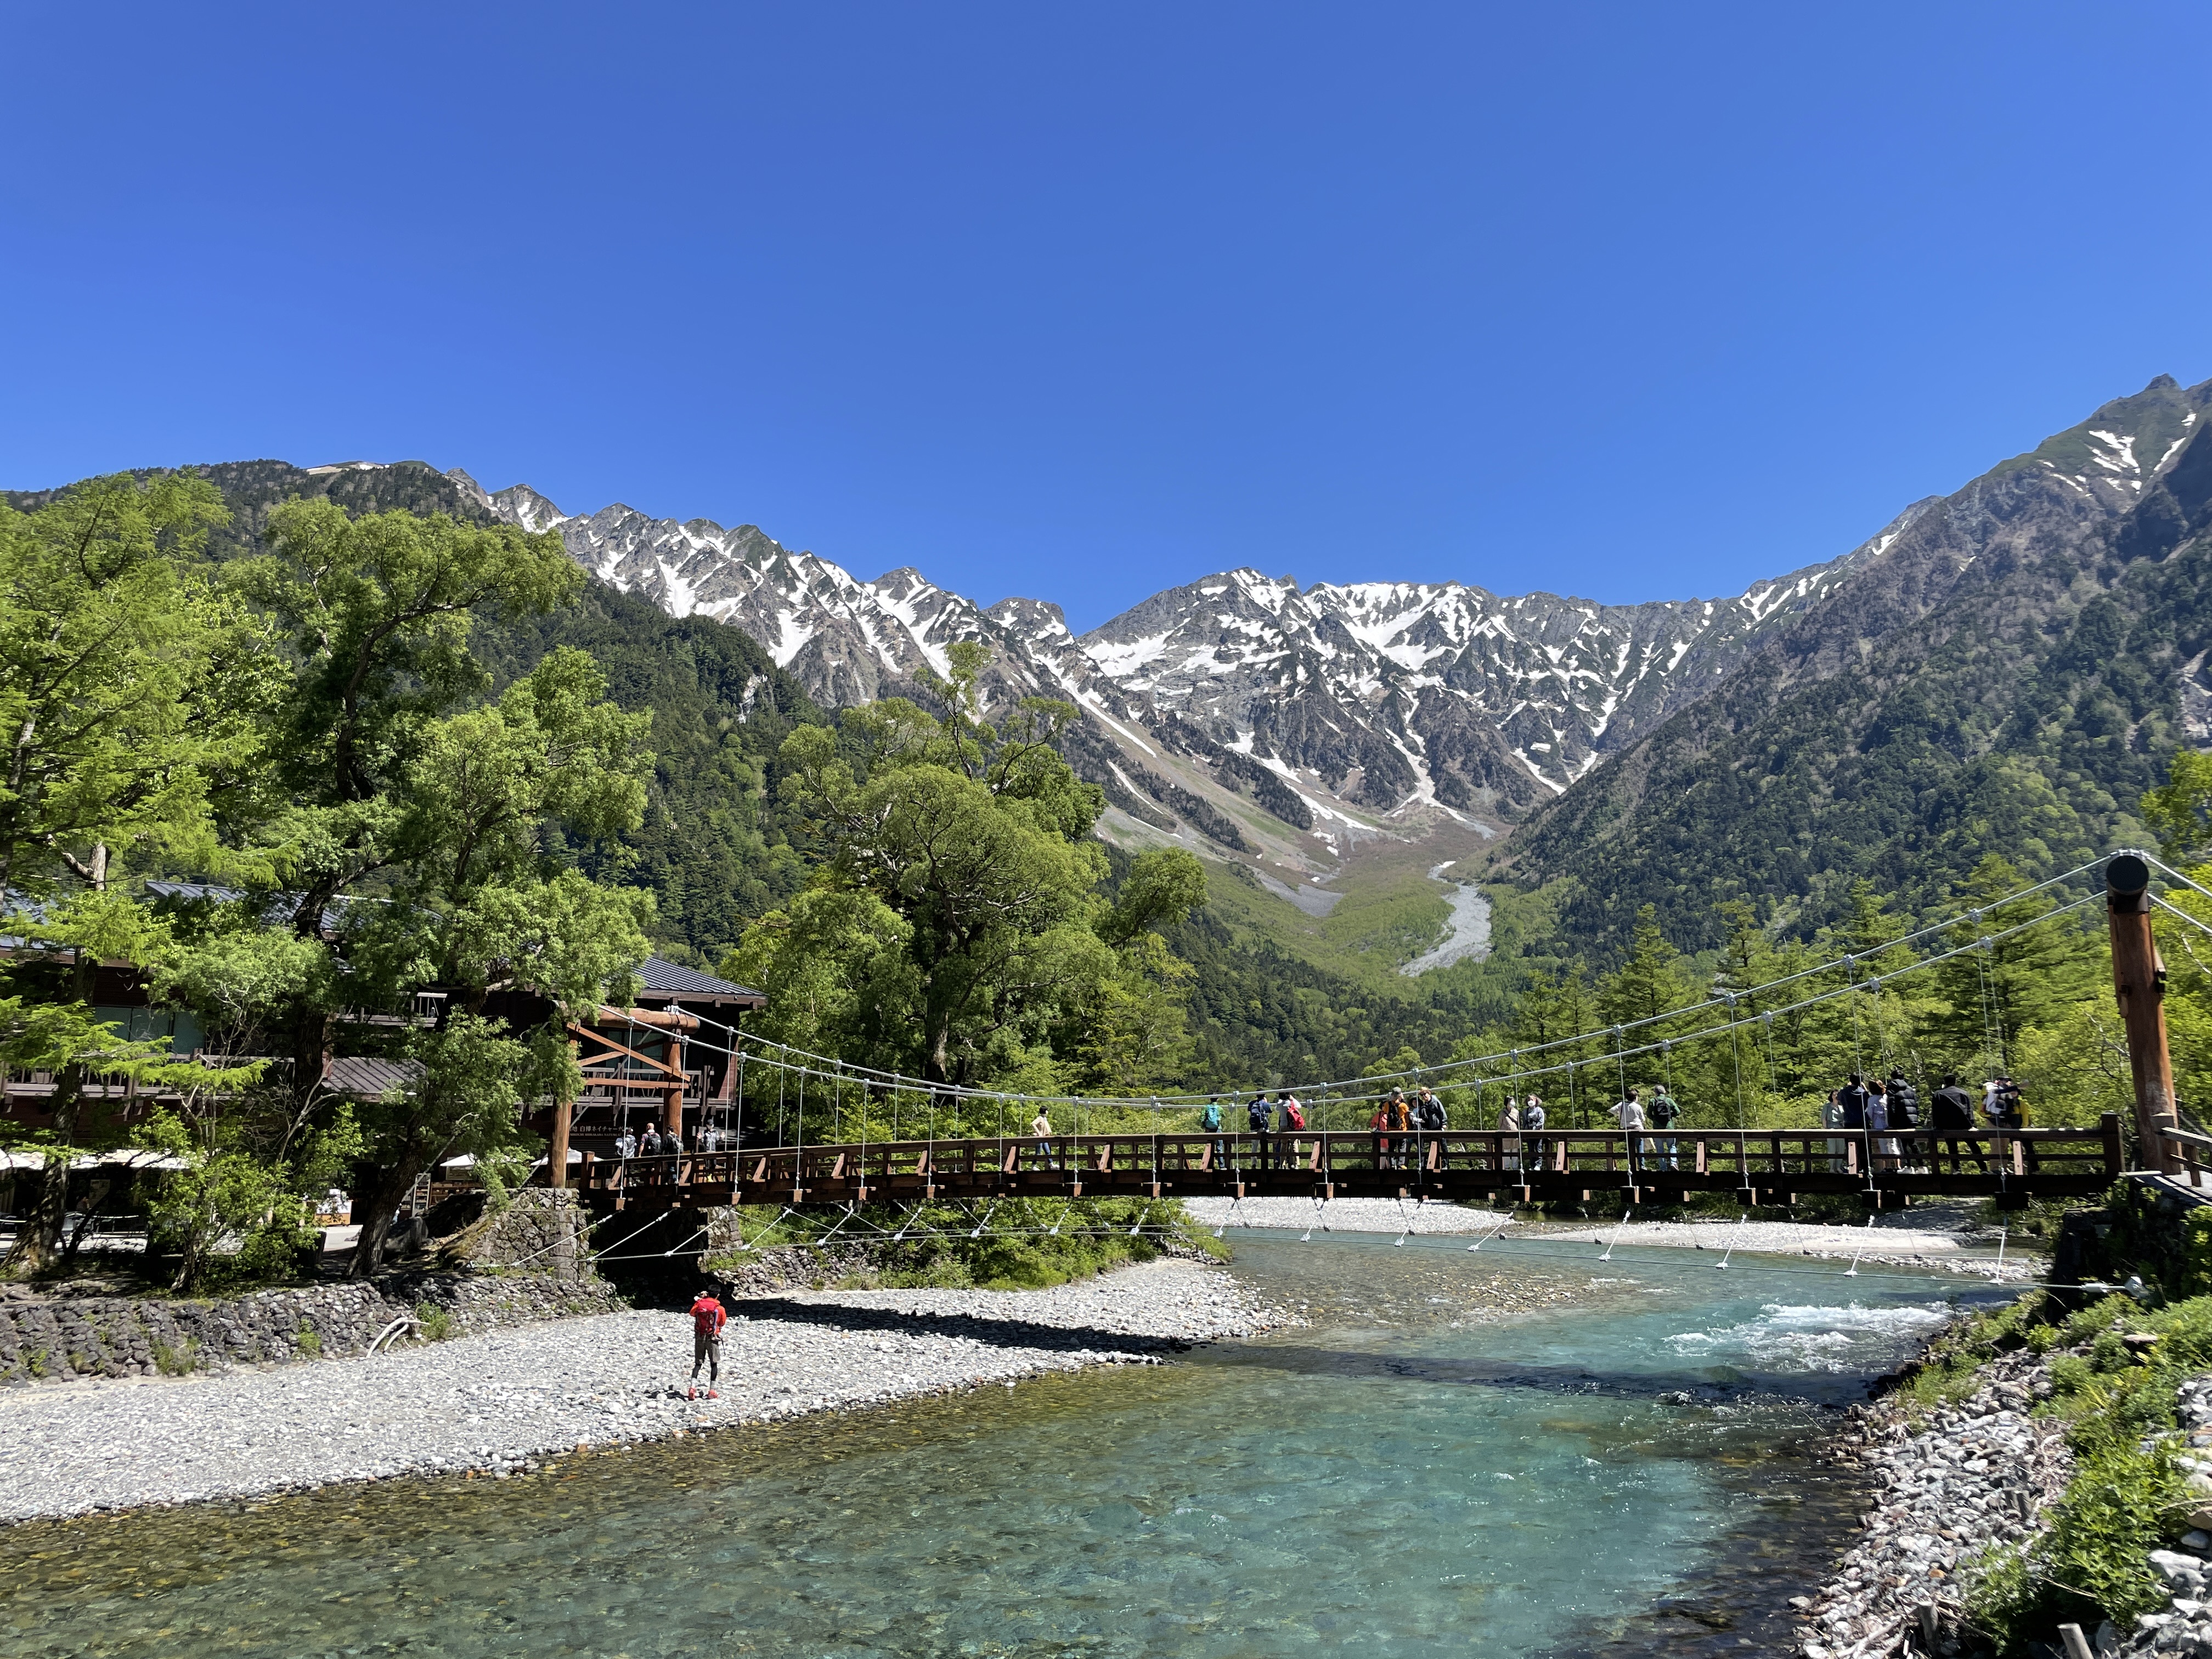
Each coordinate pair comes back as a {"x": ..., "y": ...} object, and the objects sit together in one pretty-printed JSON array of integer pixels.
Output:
[
  {"x": 1978, "y": 1476},
  {"x": 1882, "y": 1245},
  {"x": 499, "y": 1402}
]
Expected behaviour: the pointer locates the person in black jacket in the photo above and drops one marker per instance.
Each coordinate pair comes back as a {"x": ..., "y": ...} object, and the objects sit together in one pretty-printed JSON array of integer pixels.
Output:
[
  {"x": 1951, "y": 1112},
  {"x": 1905, "y": 1117}
]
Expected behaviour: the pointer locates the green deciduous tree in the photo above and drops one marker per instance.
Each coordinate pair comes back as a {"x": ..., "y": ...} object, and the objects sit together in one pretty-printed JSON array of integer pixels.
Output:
[
  {"x": 954, "y": 932},
  {"x": 131, "y": 695}
]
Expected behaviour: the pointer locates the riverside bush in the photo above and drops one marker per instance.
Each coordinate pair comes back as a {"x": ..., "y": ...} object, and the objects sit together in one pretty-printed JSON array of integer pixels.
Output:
[{"x": 2127, "y": 1496}]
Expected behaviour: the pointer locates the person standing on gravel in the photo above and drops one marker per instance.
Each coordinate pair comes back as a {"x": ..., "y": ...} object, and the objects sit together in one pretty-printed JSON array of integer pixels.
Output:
[{"x": 708, "y": 1319}]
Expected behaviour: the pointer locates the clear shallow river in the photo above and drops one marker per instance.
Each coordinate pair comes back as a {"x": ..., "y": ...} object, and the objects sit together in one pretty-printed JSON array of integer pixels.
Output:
[{"x": 1401, "y": 1476}]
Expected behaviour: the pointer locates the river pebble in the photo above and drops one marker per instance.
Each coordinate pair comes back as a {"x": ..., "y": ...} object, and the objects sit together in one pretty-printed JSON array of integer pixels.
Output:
[{"x": 497, "y": 1403}]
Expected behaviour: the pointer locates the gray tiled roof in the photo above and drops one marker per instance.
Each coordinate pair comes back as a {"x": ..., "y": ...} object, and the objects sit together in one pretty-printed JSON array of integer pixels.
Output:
[
  {"x": 673, "y": 978},
  {"x": 371, "y": 1079}
]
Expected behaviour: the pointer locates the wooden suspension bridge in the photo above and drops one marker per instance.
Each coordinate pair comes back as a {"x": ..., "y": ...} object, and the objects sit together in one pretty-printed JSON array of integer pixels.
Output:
[
  {"x": 1757, "y": 1166},
  {"x": 1883, "y": 1168}
]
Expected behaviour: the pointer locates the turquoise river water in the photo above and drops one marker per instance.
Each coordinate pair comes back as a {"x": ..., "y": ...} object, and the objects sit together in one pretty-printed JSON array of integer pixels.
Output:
[{"x": 1409, "y": 1474}]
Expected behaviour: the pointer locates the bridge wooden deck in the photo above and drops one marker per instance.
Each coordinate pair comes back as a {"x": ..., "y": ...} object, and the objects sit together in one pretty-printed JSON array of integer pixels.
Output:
[{"x": 1758, "y": 1166}]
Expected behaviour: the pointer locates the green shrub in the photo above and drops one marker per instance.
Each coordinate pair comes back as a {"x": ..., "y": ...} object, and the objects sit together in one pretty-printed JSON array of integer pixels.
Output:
[
  {"x": 2089, "y": 1566},
  {"x": 2124, "y": 1501},
  {"x": 436, "y": 1323},
  {"x": 176, "y": 1361},
  {"x": 308, "y": 1343}
]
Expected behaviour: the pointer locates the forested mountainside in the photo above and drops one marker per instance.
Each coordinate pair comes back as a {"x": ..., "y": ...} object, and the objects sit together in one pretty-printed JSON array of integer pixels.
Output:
[{"x": 2010, "y": 677}]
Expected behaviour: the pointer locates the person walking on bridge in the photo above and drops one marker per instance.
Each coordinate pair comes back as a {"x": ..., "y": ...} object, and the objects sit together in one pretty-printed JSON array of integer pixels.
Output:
[
  {"x": 1664, "y": 1112},
  {"x": 708, "y": 1319},
  {"x": 1532, "y": 1126},
  {"x": 1040, "y": 1127},
  {"x": 1509, "y": 1125},
  {"x": 1429, "y": 1118},
  {"x": 1257, "y": 1114},
  {"x": 1209, "y": 1123},
  {"x": 1293, "y": 1120},
  {"x": 1951, "y": 1113},
  {"x": 1628, "y": 1112},
  {"x": 1851, "y": 1105}
]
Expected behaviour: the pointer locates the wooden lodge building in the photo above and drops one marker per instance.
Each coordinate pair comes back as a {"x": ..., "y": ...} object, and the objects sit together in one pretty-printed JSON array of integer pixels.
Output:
[{"x": 665, "y": 1060}]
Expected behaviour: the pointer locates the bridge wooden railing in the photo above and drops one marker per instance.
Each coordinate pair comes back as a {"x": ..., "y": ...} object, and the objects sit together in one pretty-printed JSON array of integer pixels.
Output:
[{"x": 1442, "y": 1163}]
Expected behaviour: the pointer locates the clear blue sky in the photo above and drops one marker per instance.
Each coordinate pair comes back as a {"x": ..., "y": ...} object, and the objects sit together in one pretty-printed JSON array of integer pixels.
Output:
[{"x": 1080, "y": 302}]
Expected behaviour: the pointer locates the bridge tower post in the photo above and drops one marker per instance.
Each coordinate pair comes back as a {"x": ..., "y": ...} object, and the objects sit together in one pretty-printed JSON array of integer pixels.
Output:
[
  {"x": 556, "y": 1153},
  {"x": 2139, "y": 983}
]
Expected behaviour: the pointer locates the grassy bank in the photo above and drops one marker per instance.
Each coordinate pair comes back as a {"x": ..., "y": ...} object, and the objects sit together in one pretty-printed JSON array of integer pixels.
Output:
[{"x": 2113, "y": 1368}]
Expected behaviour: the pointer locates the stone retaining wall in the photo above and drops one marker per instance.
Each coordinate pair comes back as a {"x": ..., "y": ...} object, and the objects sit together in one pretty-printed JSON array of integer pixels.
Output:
[{"x": 56, "y": 1338}]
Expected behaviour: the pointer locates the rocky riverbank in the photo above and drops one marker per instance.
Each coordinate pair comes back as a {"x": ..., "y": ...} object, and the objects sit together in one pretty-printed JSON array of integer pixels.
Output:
[
  {"x": 499, "y": 1402},
  {"x": 63, "y": 1337},
  {"x": 1977, "y": 1476}
]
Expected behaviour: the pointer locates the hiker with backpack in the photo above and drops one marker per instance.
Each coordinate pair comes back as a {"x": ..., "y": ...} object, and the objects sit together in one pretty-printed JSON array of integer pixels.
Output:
[
  {"x": 708, "y": 1319},
  {"x": 1430, "y": 1117},
  {"x": 1293, "y": 1116},
  {"x": 1532, "y": 1126},
  {"x": 1209, "y": 1123},
  {"x": 1951, "y": 1113},
  {"x": 1401, "y": 1124},
  {"x": 1663, "y": 1113},
  {"x": 1258, "y": 1114},
  {"x": 1628, "y": 1112},
  {"x": 1904, "y": 1117}
]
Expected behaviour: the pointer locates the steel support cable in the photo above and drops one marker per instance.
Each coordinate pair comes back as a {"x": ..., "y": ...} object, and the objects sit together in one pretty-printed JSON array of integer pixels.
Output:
[
  {"x": 1721, "y": 1000},
  {"x": 1569, "y": 1064}
]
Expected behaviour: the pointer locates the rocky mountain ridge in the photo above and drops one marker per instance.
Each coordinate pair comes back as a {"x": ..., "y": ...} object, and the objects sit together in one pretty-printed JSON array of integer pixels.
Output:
[{"x": 1366, "y": 701}]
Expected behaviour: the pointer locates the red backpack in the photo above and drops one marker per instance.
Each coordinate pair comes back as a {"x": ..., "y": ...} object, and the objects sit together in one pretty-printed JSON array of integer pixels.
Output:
[
  {"x": 1297, "y": 1117},
  {"x": 707, "y": 1316}
]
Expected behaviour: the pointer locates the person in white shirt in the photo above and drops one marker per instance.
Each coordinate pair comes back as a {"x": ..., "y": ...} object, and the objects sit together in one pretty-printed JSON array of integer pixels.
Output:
[
  {"x": 1041, "y": 1128},
  {"x": 1629, "y": 1114}
]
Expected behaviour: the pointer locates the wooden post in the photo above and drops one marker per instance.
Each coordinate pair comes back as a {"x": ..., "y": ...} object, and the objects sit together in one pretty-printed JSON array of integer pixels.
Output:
[
  {"x": 675, "y": 1112},
  {"x": 2139, "y": 983},
  {"x": 556, "y": 1155}
]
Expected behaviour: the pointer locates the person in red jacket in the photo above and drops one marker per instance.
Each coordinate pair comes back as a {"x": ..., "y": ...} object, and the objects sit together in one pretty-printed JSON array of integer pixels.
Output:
[{"x": 708, "y": 1318}]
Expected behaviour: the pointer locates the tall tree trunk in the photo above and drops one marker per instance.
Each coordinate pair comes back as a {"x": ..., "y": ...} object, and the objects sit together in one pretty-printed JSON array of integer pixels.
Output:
[
  {"x": 382, "y": 1195},
  {"x": 39, "y": 1247}
]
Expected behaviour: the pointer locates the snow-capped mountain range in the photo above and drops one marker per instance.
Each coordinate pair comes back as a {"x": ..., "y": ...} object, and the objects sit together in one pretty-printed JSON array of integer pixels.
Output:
[{"x": 1380, "y": 696}]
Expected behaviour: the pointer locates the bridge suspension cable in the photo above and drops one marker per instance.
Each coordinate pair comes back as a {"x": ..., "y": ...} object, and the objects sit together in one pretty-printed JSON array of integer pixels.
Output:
[{"x": 789, "y": 1060}]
